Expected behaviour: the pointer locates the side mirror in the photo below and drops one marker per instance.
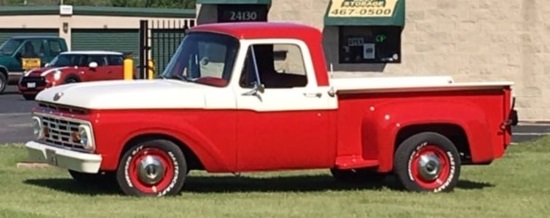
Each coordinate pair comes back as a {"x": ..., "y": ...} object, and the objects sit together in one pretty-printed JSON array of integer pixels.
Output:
[
  {"x": 92, "y": 65},
  {"x": 257, "y": 88},
  {"x": 260, "y": 88}
]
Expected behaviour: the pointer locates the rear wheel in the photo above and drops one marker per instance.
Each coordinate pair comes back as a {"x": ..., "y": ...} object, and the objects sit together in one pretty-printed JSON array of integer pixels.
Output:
[
  {"x": 427, "y": 162},
  {"x": 152, "y": 168}
]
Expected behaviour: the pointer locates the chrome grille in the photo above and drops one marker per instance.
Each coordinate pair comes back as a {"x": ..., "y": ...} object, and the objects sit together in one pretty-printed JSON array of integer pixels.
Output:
[
  {"x": 62, "y": 108},
  {"x": 59, "y": 132}
]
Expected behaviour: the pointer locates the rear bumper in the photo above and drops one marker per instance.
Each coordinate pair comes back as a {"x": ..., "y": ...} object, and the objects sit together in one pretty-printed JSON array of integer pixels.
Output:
[
  {"x": 73, "y": 160},
  {"x": 32, "y": 85},
  {"x": 514, "y": 117}
]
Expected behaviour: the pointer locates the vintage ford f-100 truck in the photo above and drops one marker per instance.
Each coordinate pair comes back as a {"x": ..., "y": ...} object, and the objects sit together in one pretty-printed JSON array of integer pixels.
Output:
[{"x": 249, "y": 97}]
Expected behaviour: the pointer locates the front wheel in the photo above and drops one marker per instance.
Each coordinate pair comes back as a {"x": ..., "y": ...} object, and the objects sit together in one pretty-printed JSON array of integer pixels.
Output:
[
  {"x": 29, "y": 97},
  {"x": 427, "y": 162},
  {"x": 152, "y": 168},
  {"x": 70, "y": 80}
]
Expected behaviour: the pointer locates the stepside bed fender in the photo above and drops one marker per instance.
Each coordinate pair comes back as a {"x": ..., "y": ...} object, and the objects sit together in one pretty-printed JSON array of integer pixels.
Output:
[{"x": 383, "y": 122}]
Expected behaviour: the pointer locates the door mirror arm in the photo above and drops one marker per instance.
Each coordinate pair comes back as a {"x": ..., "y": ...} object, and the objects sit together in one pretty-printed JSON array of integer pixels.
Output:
[
  {"x": 255, "y": 89},
  {"x": 257, "y": 85}
]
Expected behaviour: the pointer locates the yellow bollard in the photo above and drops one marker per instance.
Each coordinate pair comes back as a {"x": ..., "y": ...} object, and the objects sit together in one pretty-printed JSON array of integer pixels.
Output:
[
  {"x": 150, "y": 69},
  {"x": 128, "y": 68}
]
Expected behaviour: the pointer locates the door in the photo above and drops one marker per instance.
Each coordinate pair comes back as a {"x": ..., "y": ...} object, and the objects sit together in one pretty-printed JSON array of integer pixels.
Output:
[
  {"x": 116, "y": 68},
  {"x": 33, "y": 53},
  {"x": 285, "y": 124},
  {"x": 101, "y": 71}
]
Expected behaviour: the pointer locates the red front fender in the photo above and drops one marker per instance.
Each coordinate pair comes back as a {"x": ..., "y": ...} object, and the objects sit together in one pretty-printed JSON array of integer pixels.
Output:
[{"x": 113, "y": 132}]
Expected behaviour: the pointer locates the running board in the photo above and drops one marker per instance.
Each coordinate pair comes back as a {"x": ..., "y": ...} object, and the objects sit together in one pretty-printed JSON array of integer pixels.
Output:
[{"x": 353, "y": 162}]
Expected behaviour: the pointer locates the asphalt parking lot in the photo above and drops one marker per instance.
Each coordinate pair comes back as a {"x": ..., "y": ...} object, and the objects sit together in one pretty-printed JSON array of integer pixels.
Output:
[{"x": 15, "y": 123}]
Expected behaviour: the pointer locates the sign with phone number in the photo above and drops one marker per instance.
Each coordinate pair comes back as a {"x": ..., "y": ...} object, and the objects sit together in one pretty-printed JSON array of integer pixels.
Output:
[{"x": 362, "y": 8}]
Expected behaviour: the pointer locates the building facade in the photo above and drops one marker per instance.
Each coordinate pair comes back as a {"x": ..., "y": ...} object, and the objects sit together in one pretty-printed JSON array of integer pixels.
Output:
[{"x": 96, "y": 28}]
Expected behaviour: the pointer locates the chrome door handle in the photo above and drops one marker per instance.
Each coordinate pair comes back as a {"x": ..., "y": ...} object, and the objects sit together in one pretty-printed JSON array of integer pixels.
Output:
[{"x": 313, "y": 95}]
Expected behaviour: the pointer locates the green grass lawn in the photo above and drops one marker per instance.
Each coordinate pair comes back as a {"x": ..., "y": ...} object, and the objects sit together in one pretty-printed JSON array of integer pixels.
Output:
[{"x": 516, "y": 186}]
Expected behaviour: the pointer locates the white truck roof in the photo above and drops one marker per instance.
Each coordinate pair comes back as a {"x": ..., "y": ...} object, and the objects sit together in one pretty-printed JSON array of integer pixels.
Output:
[{"x": 93, "y": 52}]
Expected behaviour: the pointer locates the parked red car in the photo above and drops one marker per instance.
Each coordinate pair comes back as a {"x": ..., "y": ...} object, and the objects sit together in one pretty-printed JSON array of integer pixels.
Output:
[{"x": 71, "y": 67}]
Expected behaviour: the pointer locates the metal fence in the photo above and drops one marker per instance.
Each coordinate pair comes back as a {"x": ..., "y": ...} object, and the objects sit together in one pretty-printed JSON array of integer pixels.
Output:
[{"x": 159, "y": 40}]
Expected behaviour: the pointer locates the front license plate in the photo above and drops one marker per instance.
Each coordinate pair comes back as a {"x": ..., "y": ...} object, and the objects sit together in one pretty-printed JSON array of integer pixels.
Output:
[
  {"x": 51, "y": 157},
  {"x": 31, "y": 85}
]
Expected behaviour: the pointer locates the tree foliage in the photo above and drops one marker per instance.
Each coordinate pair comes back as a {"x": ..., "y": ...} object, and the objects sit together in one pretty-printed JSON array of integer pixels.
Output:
[{"x": 113, "y": 3}]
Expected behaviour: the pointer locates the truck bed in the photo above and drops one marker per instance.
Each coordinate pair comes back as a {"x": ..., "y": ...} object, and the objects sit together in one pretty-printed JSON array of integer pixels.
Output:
[{"x": 385, "y": 108}]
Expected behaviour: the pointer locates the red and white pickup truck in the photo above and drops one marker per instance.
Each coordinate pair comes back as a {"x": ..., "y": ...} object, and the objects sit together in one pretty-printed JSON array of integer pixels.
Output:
[{"x": 249, "y": 97}]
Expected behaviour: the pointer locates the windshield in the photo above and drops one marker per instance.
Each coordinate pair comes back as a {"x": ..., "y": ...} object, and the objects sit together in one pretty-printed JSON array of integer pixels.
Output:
[
  {"x": 9, "y": 46},
  {"x": 63, "y": 60},
  {"x": 205, "y": 58}
]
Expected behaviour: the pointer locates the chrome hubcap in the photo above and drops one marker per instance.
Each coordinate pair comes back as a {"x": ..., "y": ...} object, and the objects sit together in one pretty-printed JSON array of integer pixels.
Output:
[
  {"x": 429, "y": 166},
  {"x": 150, "y": 170}
]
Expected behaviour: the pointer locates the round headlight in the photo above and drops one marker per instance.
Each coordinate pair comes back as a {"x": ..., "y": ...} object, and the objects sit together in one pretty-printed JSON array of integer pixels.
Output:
[
  {"x": 57, "y": 75},
  {"x": 83, "y": 136},
  {"x": 37, "y": 127}
]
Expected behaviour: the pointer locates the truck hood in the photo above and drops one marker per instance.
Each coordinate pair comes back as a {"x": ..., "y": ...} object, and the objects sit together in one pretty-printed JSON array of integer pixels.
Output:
[{"x": 133, "y": 94}]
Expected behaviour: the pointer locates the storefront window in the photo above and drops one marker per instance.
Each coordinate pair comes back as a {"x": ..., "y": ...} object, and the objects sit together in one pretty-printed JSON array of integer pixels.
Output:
[{"x": 372, "y": 44}]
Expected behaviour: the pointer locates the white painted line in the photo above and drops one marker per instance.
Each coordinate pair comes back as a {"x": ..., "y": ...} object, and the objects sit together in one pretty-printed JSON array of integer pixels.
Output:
[
  {"x": 15, "y": 114},
  {"x": 533, "y": 124},
  {"x": 529, "y": 134},
  {"x": 21, "y": 125}
]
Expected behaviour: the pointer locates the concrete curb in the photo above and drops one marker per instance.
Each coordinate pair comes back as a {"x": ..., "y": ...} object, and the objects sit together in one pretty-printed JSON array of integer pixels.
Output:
[
  {"x": 534, "y": 123},
  {"x": 32, "y": 165}
]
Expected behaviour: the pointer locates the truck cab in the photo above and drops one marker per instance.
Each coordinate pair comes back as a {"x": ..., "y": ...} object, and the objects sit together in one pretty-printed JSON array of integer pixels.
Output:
[
  {"x": 22, "y": 53},
  {"x": 249, "y": 97}
]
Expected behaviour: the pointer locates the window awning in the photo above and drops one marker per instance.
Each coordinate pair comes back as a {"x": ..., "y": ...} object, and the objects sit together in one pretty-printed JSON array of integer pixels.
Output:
[
  {"x": 365, "y": 13},
  {"x": 222, "y": 2}
]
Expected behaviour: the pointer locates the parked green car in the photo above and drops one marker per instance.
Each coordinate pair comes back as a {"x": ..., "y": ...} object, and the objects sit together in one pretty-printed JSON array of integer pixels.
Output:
[{"x": 21, "y": 53}]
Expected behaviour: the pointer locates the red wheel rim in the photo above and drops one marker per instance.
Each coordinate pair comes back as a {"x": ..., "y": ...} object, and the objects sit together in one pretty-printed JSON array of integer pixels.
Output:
[
  {"x": 163, "y": 163},
  {"x": 430, "y": 167}
]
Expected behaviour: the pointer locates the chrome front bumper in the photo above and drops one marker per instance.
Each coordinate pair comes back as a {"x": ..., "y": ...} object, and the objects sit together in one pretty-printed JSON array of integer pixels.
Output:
[{"x": 73, "y": 160}]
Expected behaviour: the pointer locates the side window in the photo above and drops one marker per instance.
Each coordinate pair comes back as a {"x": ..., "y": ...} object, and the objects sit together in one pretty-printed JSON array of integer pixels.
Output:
[
  {"x": 278, "y": 66},
  {"x": 288, "y": 59},
  {"x": 55, "y": 47},
  {"x": 115, "y": 60},
  {"x": 101, "y": 60},
  {"x": 33, "y": 48}
]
